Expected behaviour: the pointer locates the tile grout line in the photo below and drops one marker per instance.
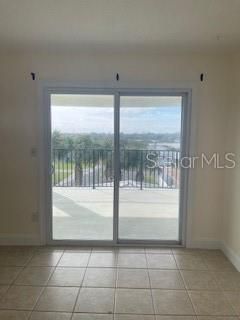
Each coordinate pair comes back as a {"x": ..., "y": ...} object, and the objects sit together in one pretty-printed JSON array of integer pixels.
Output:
[
  {"x": 79, "y": 290},
  {"x": 153, "y": 306},
  {"x": 115, "y": 289},
  {"x": 26, "y": 265},
  {"x": 185, "y": 286},
  {"x": 10, "y": 285},
  {"x": 230, "y": 303},
  {"x": 43, "y": 288},
  {"x": 29, "y": 266}
]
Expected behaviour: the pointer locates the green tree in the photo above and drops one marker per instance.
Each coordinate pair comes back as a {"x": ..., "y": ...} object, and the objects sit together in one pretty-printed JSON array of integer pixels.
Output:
[{"x": 57, "y": 139}]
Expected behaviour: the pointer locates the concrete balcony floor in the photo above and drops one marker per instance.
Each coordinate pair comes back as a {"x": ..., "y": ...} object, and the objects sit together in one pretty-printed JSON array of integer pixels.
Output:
[{"x": 87, "y": 214}]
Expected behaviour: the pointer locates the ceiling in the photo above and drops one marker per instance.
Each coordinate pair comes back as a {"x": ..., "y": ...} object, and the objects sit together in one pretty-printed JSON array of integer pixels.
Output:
[{"x": 120, "y": 24}]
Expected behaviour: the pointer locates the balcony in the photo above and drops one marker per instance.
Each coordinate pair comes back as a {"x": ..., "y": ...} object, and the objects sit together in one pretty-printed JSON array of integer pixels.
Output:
[
  {"x": 94, "y": 168},
  {"x": 83, "y": 181}
]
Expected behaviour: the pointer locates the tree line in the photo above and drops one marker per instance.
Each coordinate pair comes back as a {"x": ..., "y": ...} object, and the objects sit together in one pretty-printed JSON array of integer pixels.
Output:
[{"x": 106, "y": 140}]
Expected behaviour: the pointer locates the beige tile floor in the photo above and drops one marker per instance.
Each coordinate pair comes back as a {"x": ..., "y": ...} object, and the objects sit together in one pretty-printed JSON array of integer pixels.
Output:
[{"x": 76, "y": 283}]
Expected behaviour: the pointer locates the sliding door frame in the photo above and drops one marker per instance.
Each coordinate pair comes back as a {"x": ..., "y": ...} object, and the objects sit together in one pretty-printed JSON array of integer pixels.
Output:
[{"x": 116, "y": 93}]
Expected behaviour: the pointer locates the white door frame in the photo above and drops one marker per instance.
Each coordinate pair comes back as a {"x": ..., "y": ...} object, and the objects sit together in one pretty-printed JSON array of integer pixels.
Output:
[{"x": 45, "y": 163}]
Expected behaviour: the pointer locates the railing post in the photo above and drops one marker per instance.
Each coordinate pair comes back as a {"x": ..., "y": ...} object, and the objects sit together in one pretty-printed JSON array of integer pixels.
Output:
[
  {"x": 93, "y": 170},
  {"x": 79, "y": 168},
  {"x": 54, "y": 167},
  {"x": 141, "y": 170},
  {"x": 128, "y": 166}
]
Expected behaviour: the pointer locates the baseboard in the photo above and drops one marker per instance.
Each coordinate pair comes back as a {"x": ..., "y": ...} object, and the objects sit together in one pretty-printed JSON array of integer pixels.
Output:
[
  {"x": 204, "y": 244},
  {"x": 27, "y": 240},
  {"x": 231, "y": 255},
  {"x": 18, "y": 239}
]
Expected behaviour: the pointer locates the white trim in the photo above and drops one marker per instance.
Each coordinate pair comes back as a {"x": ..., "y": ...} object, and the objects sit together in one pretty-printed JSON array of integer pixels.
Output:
[
  {"x": 42, "y": 207},
  {"x": 190, "y": 201},
  {"x": 8, "y": 239},
  {"x": 51, "y": 86},
  {"x": 231, "y": 255}
]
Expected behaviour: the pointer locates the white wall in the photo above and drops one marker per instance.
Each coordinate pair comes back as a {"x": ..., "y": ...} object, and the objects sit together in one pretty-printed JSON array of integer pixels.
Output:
[
  {"x": 19, "y": 124},
  {"x": 231, "y": 222}
]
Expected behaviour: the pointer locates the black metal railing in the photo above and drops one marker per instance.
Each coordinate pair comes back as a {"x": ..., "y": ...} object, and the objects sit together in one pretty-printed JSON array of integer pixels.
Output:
[{"x": 94, "y": 168}]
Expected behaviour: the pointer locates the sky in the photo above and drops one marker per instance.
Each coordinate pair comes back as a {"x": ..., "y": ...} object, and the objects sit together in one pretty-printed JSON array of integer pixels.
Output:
[{"x": 163, "y": 119}]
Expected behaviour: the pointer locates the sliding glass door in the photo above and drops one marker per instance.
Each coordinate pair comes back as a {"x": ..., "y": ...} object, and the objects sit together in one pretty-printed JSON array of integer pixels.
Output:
[
  {"x": 82, "y": 133},
  {"x": 150, "y": 134},
  {"x": 115, "y": 171}
]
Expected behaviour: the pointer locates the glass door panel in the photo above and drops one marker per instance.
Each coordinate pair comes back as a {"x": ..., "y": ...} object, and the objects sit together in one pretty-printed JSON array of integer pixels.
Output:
[
  {"x": 82, "y": 135},
  {"x": 150, "y": 135}
]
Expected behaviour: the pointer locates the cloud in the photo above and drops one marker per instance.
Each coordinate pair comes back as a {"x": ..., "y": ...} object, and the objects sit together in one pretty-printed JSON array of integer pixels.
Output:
[{"x": 159, "y": 119}]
